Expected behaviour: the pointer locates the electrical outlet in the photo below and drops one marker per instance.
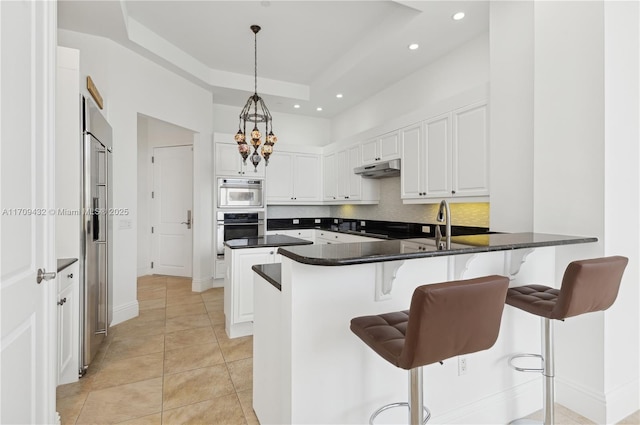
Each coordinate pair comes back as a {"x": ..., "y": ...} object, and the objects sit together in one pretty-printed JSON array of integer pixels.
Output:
[
  {"x": 317, "y": 221},
  {"x": 426, "y": 229},
  {"x": 462, "y": 365},
  {"x": 296, "y": 221},
  {"x": 363, "y": 223},
  {"x": 335, "y": 221}
]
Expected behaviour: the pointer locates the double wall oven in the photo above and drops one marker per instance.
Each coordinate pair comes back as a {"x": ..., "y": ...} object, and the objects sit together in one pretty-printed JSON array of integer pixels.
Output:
[
  {"x": 238, "y": 225},
  {"x": 240, "y": 211}
]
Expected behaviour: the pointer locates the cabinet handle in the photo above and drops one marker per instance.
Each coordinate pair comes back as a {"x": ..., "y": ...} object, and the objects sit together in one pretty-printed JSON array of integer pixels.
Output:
[
  {"x": 62, "y": 301},
  {"x": 70, "y": 275},
  {"x": 239, "y": 172},
  {"x": 271, "y": 253},
  {"x": 336, "y": 236},
  {"x": 453, "y": 192}
]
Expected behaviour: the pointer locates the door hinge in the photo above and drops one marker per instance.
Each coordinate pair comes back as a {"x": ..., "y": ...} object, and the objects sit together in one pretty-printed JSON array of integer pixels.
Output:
[
  {"x": 152, "y": 195},
  {"x": 152, "y": 264},
  {"x": 151, "y": 229},
  {"x": 153, "y": 159}
]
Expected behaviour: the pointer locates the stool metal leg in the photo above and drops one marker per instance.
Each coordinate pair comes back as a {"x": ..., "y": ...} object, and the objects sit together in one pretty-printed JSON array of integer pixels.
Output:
[
  {"x": 549, "y": 372},
  {"x": 415, "y": 396}
]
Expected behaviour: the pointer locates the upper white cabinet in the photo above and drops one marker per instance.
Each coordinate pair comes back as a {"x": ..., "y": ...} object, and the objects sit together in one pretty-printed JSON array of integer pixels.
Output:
[
  {"x": 447, "y": 156},
  {"x": 381, "y": 148},
  {"x": 229, "y": 162},
  {"x": 294, "y": 178},
  {"x": 342, "y": 185},
  {"x": 471, "y": 151},
  {"x": 68, "y": 324}
]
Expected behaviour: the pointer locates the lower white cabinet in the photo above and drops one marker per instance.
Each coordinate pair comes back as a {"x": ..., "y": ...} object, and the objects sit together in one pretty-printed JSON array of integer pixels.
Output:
[
  {"x": 306, "y": 234},
  {"x": 238, "y": 287},
  {"x": 68, "y": 324}
]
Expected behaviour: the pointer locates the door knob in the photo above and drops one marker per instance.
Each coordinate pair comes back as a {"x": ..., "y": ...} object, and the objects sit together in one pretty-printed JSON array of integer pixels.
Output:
[
  {"x": 188, "y": 222},
  {"x": 43, "y": 275}
]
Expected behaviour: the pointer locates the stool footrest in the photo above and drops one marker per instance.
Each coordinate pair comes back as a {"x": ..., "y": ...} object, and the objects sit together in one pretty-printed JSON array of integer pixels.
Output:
[
  {"x": 399, "y": 404},
  {"x": 526, "y": 369}
]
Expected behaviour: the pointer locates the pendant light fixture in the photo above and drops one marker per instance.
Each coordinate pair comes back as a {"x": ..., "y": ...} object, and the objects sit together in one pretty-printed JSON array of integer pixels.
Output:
[{"x": 255, "y": 111}]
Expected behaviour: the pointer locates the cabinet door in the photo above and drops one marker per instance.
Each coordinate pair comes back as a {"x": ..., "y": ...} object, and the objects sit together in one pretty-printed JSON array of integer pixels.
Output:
[
  {"x": 243, "y": 280},
  {"x": 228, "y": 160},
  {"x": 329, "y": 177},
  {"x": 307, "y": 178},
  {"x": 355, "y": 181},
  {"x": 342, "y": 164},
  {"x": 413, "y": 167},
  {"x": 370, "y": 151},
  {"x": 66, "y": 350},
  {"x": 389, "y": 146},
  {"x": 280, "y": 178},
  {"x": 471, "y": 151},
  {"x": 438, "y": 141}
]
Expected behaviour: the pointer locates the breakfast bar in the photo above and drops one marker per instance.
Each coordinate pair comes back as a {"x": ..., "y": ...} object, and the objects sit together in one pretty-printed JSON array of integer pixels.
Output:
[{"x": 310, "y": 368}]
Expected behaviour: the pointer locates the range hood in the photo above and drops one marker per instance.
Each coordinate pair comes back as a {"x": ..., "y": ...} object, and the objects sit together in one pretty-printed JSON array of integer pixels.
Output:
[{"x": 380, "y": 170}]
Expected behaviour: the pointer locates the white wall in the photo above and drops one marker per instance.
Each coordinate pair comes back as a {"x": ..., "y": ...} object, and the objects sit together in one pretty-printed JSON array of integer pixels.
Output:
[
  {"x": 290, "y": 129},
  {"x": 132, "y": 85},
  {"x": 511, "y": 117},
  {"x": 584, "y": 172},
  {"x": 463, "y": 69},
  {"x": 152, "y": 133}
]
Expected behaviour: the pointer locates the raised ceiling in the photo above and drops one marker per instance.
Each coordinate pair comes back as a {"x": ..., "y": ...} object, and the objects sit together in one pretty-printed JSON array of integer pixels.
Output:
[{"x": 308, "y": 51}]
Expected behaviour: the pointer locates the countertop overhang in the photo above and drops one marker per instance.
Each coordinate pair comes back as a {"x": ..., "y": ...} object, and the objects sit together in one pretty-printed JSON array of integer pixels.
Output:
[{"x": 391, "y": 250}]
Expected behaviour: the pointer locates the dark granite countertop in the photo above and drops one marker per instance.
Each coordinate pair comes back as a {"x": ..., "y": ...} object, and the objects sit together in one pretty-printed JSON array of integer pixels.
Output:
[
  {"x": 390, "y": 250},
  {"x": 63, "y": 263},
  {"x": 270, "y": 272},
  {"x": 266, "y": 241}
]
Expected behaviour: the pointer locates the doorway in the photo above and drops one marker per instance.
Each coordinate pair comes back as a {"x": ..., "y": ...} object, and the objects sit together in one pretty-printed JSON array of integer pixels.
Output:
[{"x": 165, "y": 198}]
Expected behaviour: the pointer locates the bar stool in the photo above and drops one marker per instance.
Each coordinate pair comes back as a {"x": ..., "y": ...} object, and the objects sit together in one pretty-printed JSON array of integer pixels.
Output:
[
  {"x": 444, "y": 320},
  {"x": 587, "y": 286}
]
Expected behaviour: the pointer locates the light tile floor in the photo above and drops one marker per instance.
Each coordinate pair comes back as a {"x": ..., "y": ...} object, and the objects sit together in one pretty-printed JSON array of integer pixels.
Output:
[
  {"x": 171, "y": 365},
  {"x": 174, "y": 364}
]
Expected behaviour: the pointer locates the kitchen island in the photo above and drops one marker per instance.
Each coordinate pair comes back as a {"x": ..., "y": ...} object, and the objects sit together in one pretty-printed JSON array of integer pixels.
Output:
[
  {"x": 240, "y": 255},
  {"x": 310, "y": 368}
]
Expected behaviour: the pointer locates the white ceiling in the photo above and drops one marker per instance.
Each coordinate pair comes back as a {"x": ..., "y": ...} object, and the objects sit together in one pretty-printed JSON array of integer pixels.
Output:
[{"x": 308, "y": 51}]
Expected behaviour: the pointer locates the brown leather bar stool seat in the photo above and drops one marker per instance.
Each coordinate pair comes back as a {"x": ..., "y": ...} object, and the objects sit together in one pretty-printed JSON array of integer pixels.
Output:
[
  {"x": 444, "y": 320},
  {"x": 587, "y": 286}
]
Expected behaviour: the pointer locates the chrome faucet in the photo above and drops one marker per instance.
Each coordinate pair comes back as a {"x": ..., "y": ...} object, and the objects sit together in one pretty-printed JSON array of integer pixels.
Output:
[{"x": 444, "y": 215}]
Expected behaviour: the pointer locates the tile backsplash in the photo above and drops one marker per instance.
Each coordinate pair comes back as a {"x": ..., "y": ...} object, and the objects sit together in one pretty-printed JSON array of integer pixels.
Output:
[{"x": 391, "y": 208}]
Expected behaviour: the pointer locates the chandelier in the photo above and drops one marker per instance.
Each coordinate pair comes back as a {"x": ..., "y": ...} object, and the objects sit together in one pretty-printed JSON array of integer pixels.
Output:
[{"x": 255, "y": 111}]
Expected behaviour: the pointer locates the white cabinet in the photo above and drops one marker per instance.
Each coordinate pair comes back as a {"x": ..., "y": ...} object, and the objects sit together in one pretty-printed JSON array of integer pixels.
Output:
[
  {"x": 447, "y": 156},
  {"x": 68, "y": 324},
  {"x": 381, "y": 148},
  {"x": 238, "y": 287},
  {"x": 471, "y": 151},
  {"x": 294, "y": 178},
  {"x": 306, "y": 234},
  {"x": 229, "y": 162},
  {"x": 330, "y": 181},
  {"x": 328, "y": 237},
  {"x": 342, "y": 185}
]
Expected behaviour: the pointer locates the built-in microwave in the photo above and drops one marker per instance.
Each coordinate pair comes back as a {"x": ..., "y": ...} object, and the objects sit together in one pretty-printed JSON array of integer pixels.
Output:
[{"x": 240, "y": 193}]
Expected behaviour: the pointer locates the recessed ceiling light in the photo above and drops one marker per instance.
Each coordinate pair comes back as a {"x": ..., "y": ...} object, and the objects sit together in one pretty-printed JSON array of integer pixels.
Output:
[
  {"x": 457, "y": 16},
  {"x": 339, "y": 95},
  {"x": 319, "y": 109},
  {"x": 413, "y": 46},
  {"x": 296, "y": 106}
]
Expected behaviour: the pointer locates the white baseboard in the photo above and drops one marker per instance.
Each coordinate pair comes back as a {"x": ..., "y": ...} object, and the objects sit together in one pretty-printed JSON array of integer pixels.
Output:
[
  {"x": 515, "y": 403},
  {"x": 201, "y": 285},
  {"x": 125, "y": 312},
  {"x": 623, "y": 401},
  {"x": 581, "y": 399},
  {"x": 218, "y": 283}
]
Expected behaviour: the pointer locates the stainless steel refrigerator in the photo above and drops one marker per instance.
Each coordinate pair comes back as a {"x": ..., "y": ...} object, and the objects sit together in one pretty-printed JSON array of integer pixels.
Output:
[{"x": 97, "y": 230}]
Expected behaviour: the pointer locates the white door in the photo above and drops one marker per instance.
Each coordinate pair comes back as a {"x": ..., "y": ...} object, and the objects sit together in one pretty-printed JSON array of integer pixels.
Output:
[
  {"x": 171, "y": 211},
  {"x": 27, "y": 227}
]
